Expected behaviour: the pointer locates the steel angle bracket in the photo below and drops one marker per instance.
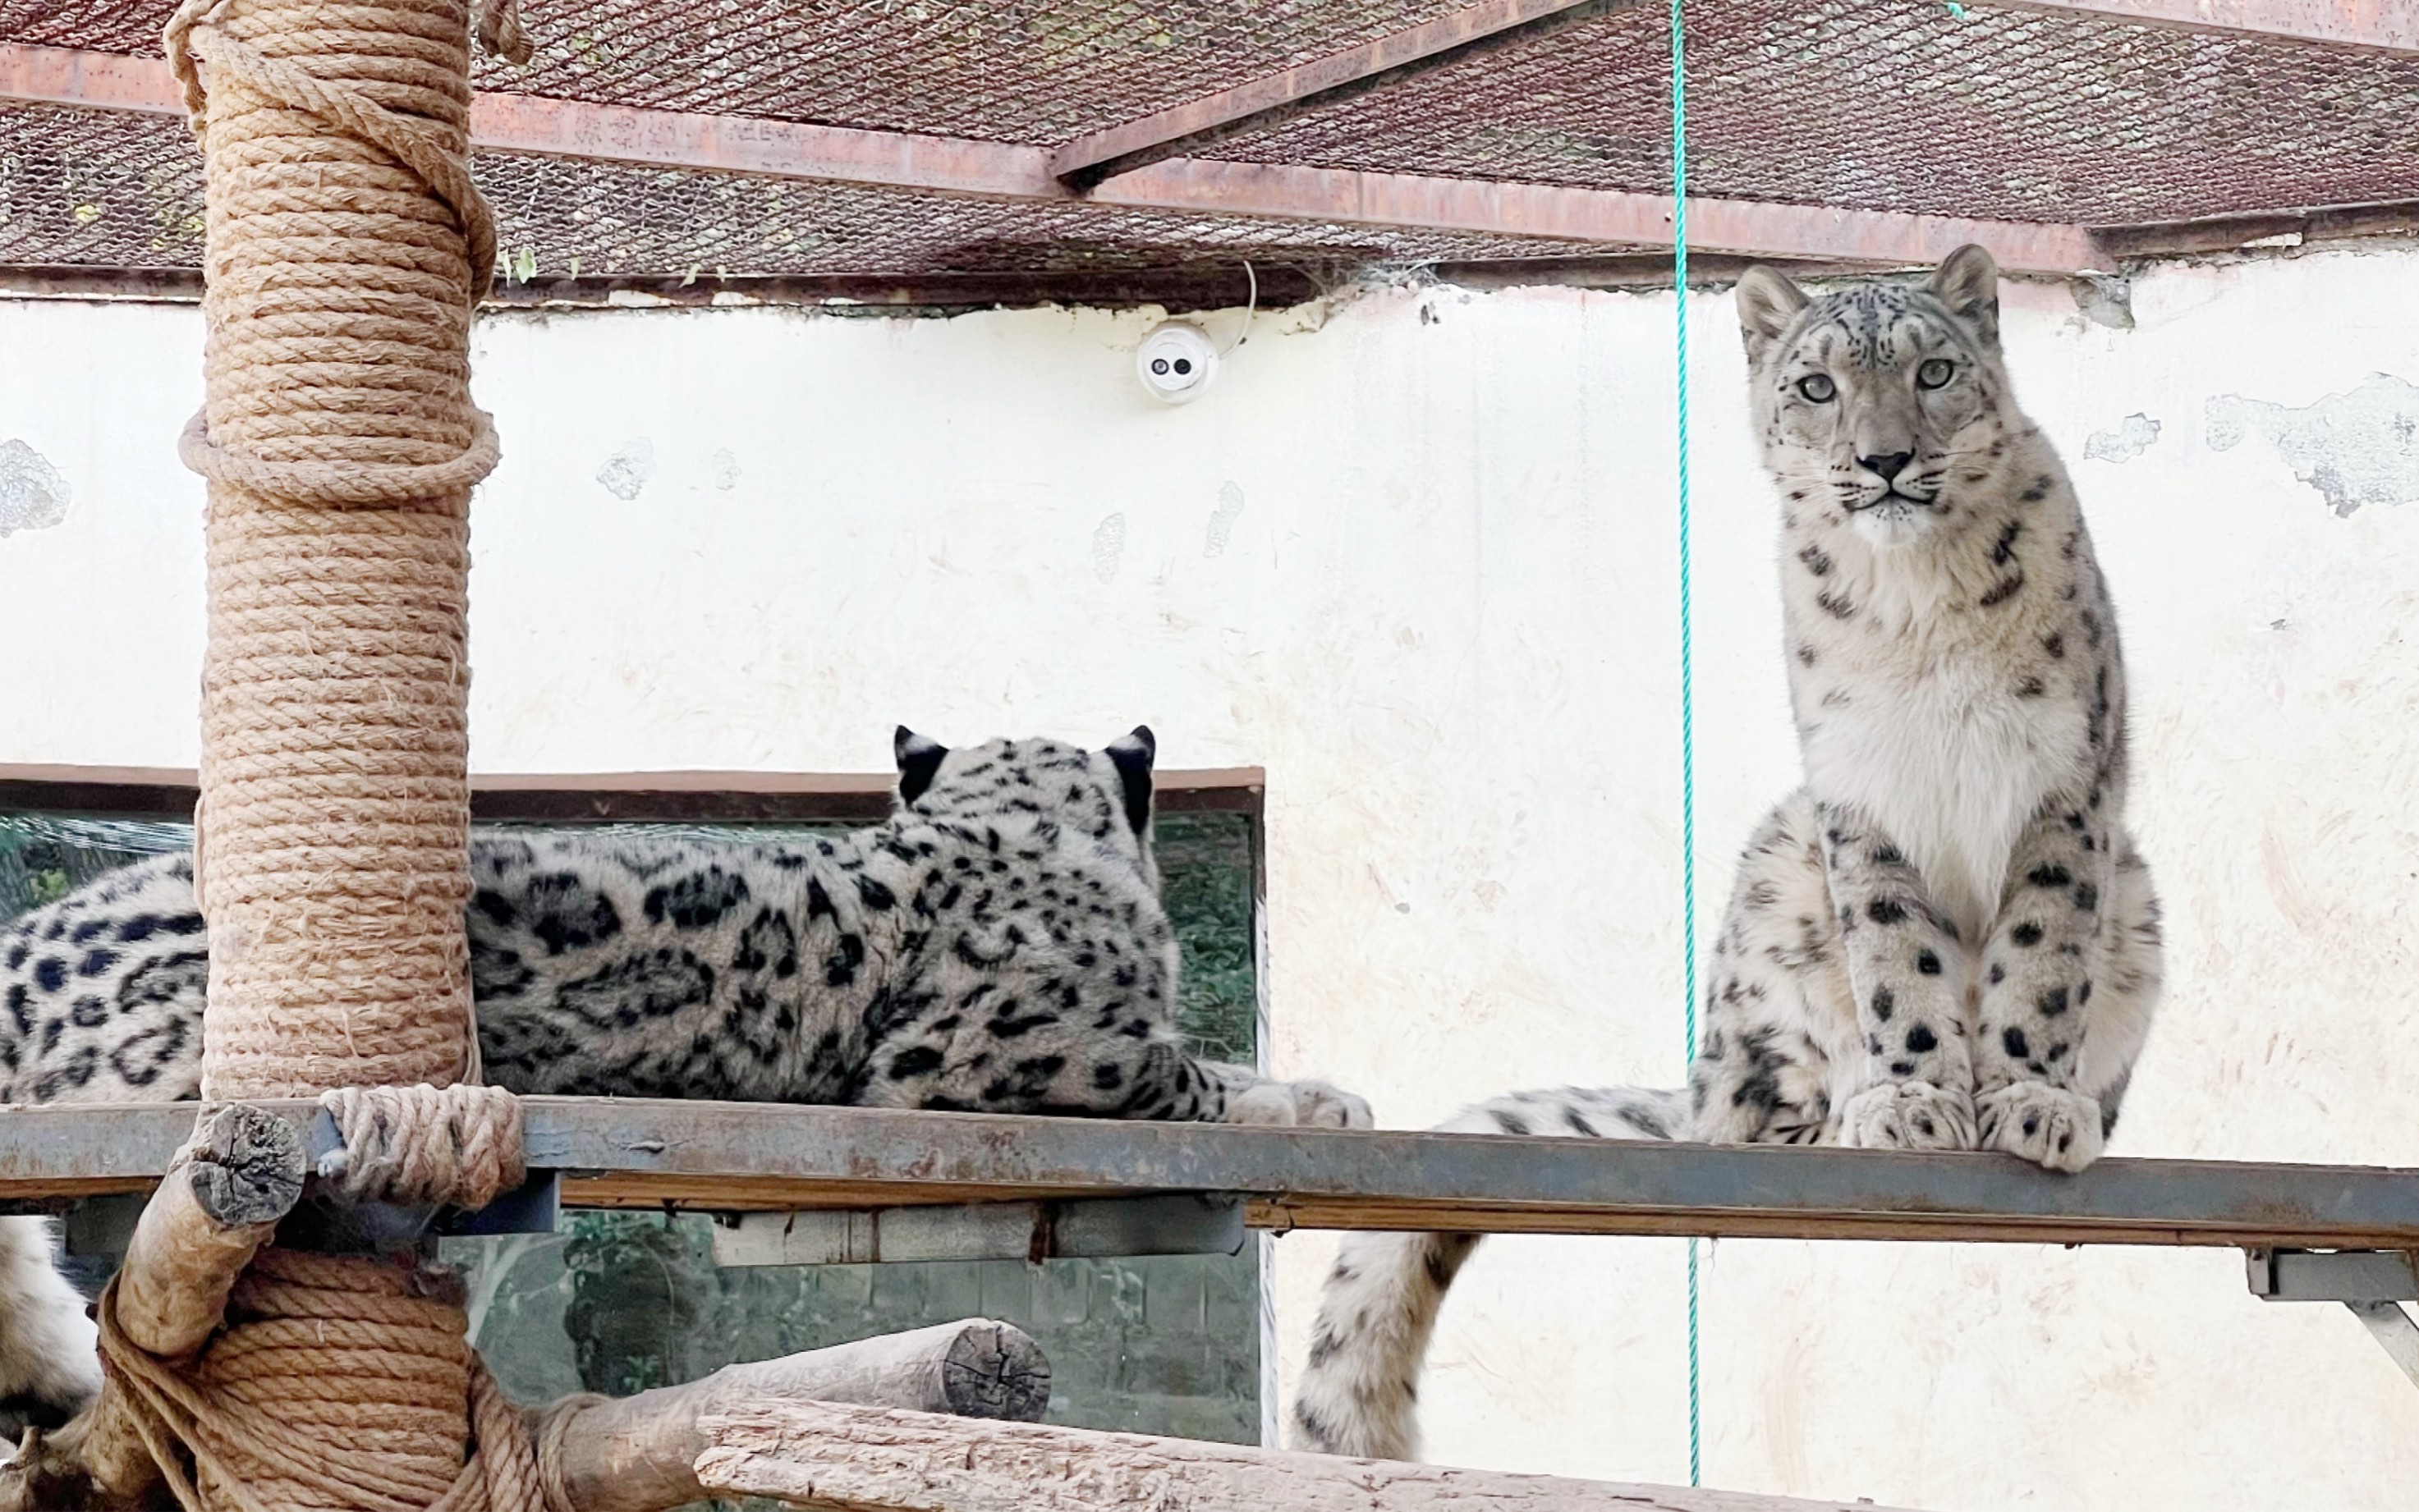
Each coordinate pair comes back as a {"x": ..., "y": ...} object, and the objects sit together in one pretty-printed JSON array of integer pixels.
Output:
[
  {"x": 2372, "y": 1283},
  {"x": 1099, "y": 1228}
]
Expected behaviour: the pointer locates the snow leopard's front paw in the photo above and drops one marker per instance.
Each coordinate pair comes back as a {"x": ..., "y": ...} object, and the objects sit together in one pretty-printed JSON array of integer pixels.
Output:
[
  {"x": 1908, "y": 1115},
  {"x": 1307, "y": 1104},
  {"x": 2047, "y": 1125}
]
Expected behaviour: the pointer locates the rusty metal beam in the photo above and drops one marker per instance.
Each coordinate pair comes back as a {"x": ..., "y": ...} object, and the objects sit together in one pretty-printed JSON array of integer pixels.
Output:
[
  {"x": 730, "y": 1157},
  {"x": 599, "y": 797},
  {"x": 2379, "y": 25},
  {"x": 1273, "y": 99},
  {"x": 1191, "y": 186}
]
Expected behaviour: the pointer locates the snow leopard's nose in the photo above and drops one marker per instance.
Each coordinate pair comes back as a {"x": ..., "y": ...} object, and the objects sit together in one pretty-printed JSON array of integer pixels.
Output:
[{"x": 1887, "y": 466}]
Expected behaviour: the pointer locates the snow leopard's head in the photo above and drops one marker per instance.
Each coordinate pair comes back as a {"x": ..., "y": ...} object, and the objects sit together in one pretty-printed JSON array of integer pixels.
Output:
[
  {"x": 1883, "y": 406},
  {"x": 1103, "y": 794}
]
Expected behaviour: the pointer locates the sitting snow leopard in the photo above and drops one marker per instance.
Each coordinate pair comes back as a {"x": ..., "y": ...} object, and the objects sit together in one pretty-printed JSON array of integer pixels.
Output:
[
  {"x": 997, "y": 945},
  {"x": 1946, "y": 941}
]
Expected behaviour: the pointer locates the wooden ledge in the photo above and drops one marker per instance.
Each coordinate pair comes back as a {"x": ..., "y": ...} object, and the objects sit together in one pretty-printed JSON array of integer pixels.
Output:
[{"x": 739, "y": 1157}]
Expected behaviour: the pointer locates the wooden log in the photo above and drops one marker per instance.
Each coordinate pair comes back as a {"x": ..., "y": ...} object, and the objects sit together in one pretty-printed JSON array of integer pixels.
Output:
[
  {"x": 639, "y": 1454},
  {"x": 843, "y": 1459},
  {"x": 224, "y": 1192}
]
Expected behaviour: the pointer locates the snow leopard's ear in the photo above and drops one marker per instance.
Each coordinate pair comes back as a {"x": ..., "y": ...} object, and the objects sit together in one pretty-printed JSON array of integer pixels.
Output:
[
  {"x": 919, "y": 759},
  {"x": 1968, "y": 283},
  {"x": 1134, "y": 753},
  {"x": 1768, "y": 302}
]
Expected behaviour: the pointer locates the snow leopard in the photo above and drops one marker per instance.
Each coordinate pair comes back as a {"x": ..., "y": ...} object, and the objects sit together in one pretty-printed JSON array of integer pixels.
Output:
[
  {"x": 1946, "y": 939},
  {"x": 997, "y": 945}
]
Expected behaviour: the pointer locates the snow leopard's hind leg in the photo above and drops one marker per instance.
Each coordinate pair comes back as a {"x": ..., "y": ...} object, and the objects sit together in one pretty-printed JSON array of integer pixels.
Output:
[
  {"x": 49, "y": 1365},
  {"x": 1359, "y": 1394}
]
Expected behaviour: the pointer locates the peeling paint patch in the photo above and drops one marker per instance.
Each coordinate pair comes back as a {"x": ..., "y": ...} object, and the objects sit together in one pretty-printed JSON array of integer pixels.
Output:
[
  {"x": 725, "y": 471},
  {"x": 33, "y": 495},
  {"x": 626, "y": 471},
  {"x": 2105, "y": 301},
  {"x": 1109, "y": 546},
  {"x": 2134, "y": 435},
  {"x": 2355, "y": 448},
  {"x": 1222, "y": 519}
]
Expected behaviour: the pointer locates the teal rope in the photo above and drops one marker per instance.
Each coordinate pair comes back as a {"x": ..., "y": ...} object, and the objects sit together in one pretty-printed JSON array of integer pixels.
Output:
[{"x": 1687, "y": 657}]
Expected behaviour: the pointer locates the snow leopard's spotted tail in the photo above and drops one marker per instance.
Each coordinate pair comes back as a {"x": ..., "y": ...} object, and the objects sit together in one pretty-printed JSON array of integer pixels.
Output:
[{"x": 1359, "y": 1393}]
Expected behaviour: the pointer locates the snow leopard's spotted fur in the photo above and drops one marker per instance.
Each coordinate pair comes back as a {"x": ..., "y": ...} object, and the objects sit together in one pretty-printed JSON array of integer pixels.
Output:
[
  {"x": 998, "y": 945},
  {"x": 1946, "y": 941}
]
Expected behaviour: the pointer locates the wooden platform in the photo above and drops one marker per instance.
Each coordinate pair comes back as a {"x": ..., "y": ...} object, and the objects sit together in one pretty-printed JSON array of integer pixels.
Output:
[{"x": 739, "y": 1157}]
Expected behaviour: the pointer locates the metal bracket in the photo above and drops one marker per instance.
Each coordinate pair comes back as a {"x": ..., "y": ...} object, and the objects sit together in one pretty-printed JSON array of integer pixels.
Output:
[
  {"x": 2372, "y": 1283},
  {"x": 1182, "y": 1224}
]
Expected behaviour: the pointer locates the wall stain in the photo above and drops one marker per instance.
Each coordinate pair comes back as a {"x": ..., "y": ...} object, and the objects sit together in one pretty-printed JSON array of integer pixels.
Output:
[
  {"x": 626, "y": 471},
  {"x": 725, "y": 471},
  {"x": 1109, "y": 546},
  {"x": 33, "y": 495},
  {"x": 2134, "y": 435},
  {"x": 1222, "y": 519},
  {"x": 2355, "y": 448}
]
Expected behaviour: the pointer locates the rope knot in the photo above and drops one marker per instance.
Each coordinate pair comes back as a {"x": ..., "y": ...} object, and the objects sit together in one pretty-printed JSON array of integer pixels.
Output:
[{"x": 458, "y": 1145}]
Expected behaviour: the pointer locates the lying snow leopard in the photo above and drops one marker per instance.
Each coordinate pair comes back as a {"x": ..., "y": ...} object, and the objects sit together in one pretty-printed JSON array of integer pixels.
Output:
[
  {"x": 997, "y": 945},
  {"x": 1946, "y": 941}
]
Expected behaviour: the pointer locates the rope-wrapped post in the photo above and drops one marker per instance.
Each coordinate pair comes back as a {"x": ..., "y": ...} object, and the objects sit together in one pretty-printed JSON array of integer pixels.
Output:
[{"x": 347, "y": 250}]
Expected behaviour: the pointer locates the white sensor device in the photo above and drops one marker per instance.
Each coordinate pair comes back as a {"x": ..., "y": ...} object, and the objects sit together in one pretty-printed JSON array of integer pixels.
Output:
[{"x": 1176, "y": 362}]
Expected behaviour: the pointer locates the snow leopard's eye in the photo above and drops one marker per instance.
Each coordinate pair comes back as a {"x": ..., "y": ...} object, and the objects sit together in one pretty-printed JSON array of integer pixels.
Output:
[
  {"x": 1817, "y": 388},
  {"x": 1934, "y": 372}
]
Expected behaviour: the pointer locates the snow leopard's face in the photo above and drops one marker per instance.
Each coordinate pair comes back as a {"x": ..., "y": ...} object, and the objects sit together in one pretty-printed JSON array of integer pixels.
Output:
[
  {"x": 1879, "y": 406},
  {"x": 1105, "y": 794}
]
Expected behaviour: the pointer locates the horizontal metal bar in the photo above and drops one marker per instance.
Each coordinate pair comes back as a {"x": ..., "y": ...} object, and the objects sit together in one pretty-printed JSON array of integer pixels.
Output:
[
  {"x": 2332, "y": 1275},
  {"x": 1275, "y": 98},
  {"x": 733, "y": 1157},
  {"x": 1601, "y": 215},
  {"x": 1008, "y": 171},
  {"x": 602, "y": 797},
  {"x": 2379, "y": 25},
  {"x": 1100, "y": 1227}
]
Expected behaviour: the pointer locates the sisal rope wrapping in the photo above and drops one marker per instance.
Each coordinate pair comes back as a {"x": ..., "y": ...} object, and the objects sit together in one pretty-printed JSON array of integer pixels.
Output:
[
  {"x": 339, "y": 1385},
  {"x": 347, "y": 250},
  {"x": 411, "y": 1145}
]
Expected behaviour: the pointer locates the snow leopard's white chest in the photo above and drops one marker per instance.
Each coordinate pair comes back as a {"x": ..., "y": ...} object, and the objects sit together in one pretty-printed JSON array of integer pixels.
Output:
[{"x": 1951, "y": 762}]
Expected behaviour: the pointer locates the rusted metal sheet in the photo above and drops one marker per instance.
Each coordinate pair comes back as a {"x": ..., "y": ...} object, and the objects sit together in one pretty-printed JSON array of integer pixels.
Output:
[
  {"x": 732, "y": 1157},
  {"x": 1754, "y": 229},
  {"x": 1278, "y": 97},
  {"x": 98, "y": 81},
  {"x": 2380, "y": 25}
]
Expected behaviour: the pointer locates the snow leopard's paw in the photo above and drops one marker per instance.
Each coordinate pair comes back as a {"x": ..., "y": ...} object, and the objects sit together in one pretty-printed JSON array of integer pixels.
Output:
[
  {"x": 2047, "y": 1125},
  {"x": 1908, "y": 1115},
  {"x": 1307, "y": 1104}
]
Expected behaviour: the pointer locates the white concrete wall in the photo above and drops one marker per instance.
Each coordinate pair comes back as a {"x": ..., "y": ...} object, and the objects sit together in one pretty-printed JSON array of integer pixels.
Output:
[{"x": 1415, "y": 555}]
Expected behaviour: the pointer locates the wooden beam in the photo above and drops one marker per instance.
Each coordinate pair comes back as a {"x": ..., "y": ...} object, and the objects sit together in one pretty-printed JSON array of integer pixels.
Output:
[
  {"x": 599, "y": 797},
  {"x": 1275, "y": 98},
  {"x": 841, "y": 1459},
  {"x": 1191, "y": 186},
  {"x": 736, "y": 1157},
  {"x": 2377, "y": 25}
]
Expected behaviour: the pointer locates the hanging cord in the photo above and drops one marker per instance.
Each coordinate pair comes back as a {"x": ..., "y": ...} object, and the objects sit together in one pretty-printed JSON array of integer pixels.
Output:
[
  {"x": 1250, "y": 305},
  {"x": 1688, "y": 653}
]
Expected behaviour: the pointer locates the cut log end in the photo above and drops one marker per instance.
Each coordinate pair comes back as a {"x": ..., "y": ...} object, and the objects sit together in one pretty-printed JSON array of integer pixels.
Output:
[
  {"x": 248, "y": 1167},
  {"x": 993, "y": 1370}
]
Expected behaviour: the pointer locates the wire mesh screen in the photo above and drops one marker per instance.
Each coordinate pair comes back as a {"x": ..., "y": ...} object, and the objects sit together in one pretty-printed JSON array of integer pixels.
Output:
[
  {"x": 101, "y": 190},
  {"x": 1904, "y": 105},
  {"x": 1889, "y": 105}
]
